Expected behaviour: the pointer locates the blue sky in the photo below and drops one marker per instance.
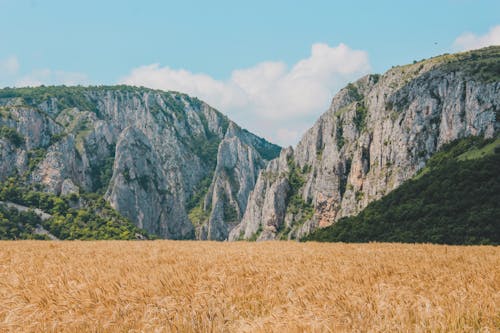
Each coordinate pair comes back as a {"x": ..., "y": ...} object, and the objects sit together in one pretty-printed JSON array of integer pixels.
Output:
[{"x": 243, "y": 57}]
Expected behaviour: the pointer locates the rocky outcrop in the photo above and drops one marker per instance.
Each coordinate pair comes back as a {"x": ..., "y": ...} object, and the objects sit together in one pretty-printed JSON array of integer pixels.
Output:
[
  {"x": 150, "y": 153},
  {"x": 140, "y": 190},
  {"x": 180, "y": 169},
  {"x": 267, "y": 202},
  {"x": 238, "y": 164},
  {"x": 377, "y": 133}
]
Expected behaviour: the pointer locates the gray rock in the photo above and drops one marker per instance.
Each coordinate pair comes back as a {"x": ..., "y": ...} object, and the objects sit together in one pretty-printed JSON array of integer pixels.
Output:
[
  {"x": 148, "y": 151},
  {"x": 377, "y": 133},
  {"x": 139, "y": 190},
  {"x": 238, "y": 164},
  {"x": 68, "y": 187},
  {"x": 267, "y": 202}
]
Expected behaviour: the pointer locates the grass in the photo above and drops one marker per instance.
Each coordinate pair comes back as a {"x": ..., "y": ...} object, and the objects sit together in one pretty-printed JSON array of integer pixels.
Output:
[
  {"x": 168, "y": 286},
  {"x": 481, "y": 152},
  {"x": 468, "y": 148}
]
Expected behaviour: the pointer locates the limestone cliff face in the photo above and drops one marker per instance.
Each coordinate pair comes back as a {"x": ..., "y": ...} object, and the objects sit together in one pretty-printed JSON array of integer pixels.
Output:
[
  {"x": 238, "y": 164},
  {"x": 180, "y": 169},
  {"x": 148, "y": 152},
  {"x": 377, "y": 133},
  {"x": 266, "y": 206}
]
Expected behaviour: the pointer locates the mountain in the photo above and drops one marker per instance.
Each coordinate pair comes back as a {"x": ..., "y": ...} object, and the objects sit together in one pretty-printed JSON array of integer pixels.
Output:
[
  {"x": 453, "y": 200},
  {"x": 170, "y": 164},
  {"x": 379, "y": 132},
  {"x": 120, "y": 162}
]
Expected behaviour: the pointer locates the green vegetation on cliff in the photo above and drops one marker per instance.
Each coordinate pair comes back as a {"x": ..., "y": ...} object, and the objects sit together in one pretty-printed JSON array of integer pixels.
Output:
[
  {"x": 11, "y": 135},
  {"x": 481, "y": 65},
  {"x": 301, "y": 210},
  {"x": 18, "y": 225},
  {"x": 453, "y": 200},
  {"x": 85, "y": 217}
]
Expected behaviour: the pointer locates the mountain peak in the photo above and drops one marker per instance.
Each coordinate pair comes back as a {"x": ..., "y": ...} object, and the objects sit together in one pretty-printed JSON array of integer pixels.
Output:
[{"x": 378, "y": 132}]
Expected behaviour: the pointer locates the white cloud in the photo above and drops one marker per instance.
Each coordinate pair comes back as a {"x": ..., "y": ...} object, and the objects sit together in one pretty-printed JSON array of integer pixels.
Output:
[
  {"x": 10, "y": 75},
  {"x": 286, "y": 135},
  {"x": 470, "y": 41},
  {"x": 51, "y": 77},
  {"x": 9, "y": 66},
  {"x": 269, "y": 98}
]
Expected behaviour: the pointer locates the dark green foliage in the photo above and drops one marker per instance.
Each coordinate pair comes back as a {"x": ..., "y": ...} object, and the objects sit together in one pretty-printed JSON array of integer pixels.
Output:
[
  {"x": 126, "y": 175},
  {"x": 343, "y": 177},
  {"x": 359, "y": 195},
  {"x": 266, "y": 150},
  {"x": 81, "y": 97},
  {"x": 319, "y": 153},
  {"x": 389, "y": 105},
  {"x": 11, "y": 135},
  {"x": 295, "y": 204},
  {"x": 56, "y": 138},
  {"x": 375, "y": 78},
  {"x": 194, "y": 205},
  {"x": 95, "y": 219},
  {"x": 71, "y": 99},
  {"x": 283, "y": 233},
  {"x": 206, "y": 149},
  {"x": 66, "y": 97},
  {"x": 206, "y": 146},
  {"x": 256, "y": 235},
  {"x": 174, "y": 109},
  {"x": 18, "y": 225},
  {"x": 233, "y": 179},
  {"x": 144, "y": 182},
  {"x": 365, "y": 157},
  {"x": 453, "y": 150},
  {"x": 295, "y": 178},
  {"x": 199, "y": 192},
  {"x": 195, "y": 103},
  {"x": 339, "y": 134},
  {"x": 175, "y": 104},
  {"x": 306, "y": 168},
  {"x": 101, "y": 173},
  {"x": 455, "y": 202},
  {"x": 482, "y": 65},
  {"x": 360, "y": 116},
  {"x": 402, "y": 102},
  {"x": 35, "y": 157},
  {"x": 353, "y": 92},
  {"x": 230, "y": 212}
]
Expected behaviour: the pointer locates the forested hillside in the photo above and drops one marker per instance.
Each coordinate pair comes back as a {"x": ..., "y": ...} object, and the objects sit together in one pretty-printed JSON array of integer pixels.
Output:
[{"x": 453, "y": 200}]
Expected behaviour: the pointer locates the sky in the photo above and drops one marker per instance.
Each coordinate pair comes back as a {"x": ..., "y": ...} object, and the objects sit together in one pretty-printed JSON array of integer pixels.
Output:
[{"x": 271, "y": 66}]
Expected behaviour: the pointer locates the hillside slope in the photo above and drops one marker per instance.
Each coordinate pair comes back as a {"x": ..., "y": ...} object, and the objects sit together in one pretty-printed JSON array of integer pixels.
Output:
[
  {"x": 378, "y": 132},
  {"x": 454, "y": 200},
  {"x": 154, "y": 156}
]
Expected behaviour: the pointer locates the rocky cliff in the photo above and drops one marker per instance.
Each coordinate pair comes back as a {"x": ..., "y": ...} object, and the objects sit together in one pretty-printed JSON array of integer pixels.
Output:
[
  {"x": 170, "y": 163},
  {"x": 378, "y": 132},
  {"x": 179, "y": 169}
]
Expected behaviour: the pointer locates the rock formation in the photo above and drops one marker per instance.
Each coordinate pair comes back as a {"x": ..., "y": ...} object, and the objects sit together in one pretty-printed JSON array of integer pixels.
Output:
[
  {"x": 151, "y": 154},
  {"x": 378, "y": 132}
]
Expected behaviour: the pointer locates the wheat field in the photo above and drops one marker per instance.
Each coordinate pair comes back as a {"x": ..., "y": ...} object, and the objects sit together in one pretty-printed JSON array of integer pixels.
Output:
[{"x": 168, "y": 286}]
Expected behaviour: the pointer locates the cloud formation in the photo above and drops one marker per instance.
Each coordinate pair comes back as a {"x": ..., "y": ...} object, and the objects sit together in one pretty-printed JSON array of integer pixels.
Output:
[
  {"x": 11, "y": 75},
  {"x": 470, "y": 41},
  {"x": 270, "y": 99},
  {"x": 51, "y": 77},
  {"x": 9, "y": 66}
]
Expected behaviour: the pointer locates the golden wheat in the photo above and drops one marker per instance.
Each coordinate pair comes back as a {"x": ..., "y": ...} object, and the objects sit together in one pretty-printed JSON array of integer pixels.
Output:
[{"x": 167, "y": 286}]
